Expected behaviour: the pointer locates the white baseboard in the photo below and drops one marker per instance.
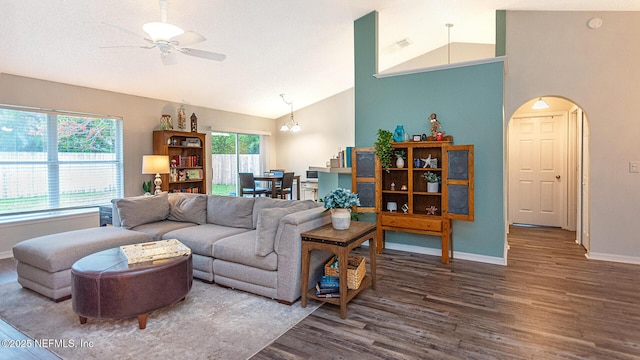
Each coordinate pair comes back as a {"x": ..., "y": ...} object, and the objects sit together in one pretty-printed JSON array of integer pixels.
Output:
[
  {"x": 614, "y": 258},
  {"x": 6, "y": 254},
  {"x": 437, "y": 252}
]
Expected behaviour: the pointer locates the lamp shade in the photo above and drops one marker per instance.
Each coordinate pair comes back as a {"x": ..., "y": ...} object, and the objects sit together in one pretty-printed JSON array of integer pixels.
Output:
[{"x": 155, "y": 164}]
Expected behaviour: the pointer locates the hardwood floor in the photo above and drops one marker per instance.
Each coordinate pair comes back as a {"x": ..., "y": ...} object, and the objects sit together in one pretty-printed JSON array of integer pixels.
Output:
[{"x": 550, "y": 302}]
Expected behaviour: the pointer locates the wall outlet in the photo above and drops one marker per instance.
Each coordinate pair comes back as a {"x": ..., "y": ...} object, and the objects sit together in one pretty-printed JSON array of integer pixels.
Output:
[{"x": 634, "y": 166}]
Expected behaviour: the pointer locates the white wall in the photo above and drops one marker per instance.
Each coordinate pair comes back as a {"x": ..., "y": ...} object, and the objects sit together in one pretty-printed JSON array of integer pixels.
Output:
[
  {"x": 326, "y": 126},
  {"x": 140, "y": 117},
  {"x": 555, "y": 53}
]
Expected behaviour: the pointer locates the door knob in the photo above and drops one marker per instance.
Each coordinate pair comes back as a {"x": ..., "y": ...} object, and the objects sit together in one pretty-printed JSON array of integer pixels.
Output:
[{"x": 558, "y": 177}]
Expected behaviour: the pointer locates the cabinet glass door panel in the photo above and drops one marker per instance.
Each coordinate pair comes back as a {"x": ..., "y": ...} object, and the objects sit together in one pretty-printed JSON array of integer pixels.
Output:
[
  {"x": 457, "y": 182},
  {"x": 365, "y": 174}
]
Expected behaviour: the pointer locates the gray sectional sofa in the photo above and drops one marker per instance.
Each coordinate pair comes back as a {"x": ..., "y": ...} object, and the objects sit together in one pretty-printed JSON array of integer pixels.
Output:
[{"x": 251, "y": 244}]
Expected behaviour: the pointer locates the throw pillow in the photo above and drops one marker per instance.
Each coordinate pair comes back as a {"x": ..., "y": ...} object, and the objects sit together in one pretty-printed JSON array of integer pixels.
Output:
[
  {"x": 266, "y": 202},
  {"x": 138, "y": 210},
  {"x": 188, "y": 208},
  {"x": 268, "y": 221},
  {"x": 230, "y": 211}
]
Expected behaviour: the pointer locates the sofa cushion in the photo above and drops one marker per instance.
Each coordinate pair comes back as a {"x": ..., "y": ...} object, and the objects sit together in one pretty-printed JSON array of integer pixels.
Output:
[
  {"x": 267, "y": 203},
  {"x": 159, "y": 228},
  {"x": 239, "y": 249},
  {"x": 200, "y": 239},
  {"x": 230, "y": 211},
  {"x": 188, "y": 207},
  {"x": 58, "y": 252},
  {"x": 138, "y": 210},
  {"x": 268, "y": 221}
]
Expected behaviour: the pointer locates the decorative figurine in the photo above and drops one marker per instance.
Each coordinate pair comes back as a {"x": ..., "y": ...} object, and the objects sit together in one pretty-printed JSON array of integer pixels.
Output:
[
  {"x": 435, "y": 125},
  {"x": 426, "y": 162},
  {"x": 405, "y": 208},
  {"x": 431, "y": 210},
  {"x": 182, "y": 118},
  {"x": 403, "y": 187},
  {"x": 194, "y": 123},
  {"x": 393, "y": 186}
]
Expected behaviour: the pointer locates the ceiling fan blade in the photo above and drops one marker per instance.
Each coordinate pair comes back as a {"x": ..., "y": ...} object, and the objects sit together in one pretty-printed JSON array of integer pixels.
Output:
[
  {"x": 203, "y": 54},
  {"x": 169, "y": 58},
  {"x": 133, "y": 33},
  {"x": 188, "y": 38},
  {"x": 128, "y": 46}
]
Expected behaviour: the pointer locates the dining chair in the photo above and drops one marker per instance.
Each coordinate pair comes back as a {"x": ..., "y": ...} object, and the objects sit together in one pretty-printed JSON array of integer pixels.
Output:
[
  {"x": 287, "y": 185},
  {"x": 277, "y": 173},
  {"x": 248, "y": 186}
]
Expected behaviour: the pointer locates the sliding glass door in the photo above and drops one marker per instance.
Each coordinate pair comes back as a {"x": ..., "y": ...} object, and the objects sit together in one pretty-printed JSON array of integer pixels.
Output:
[{"x": 232, "y": 153}]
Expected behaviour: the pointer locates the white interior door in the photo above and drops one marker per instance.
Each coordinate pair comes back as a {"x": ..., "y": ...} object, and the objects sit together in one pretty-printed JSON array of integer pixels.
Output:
[{"x": 537, "y": 169}]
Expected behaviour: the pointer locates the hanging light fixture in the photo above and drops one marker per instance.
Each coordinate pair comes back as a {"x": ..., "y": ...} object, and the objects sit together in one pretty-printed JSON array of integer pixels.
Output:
[
  {"x": 540, "y": 104},
  {"x": 290, "y": 125},
  {"x": 448, "y": 25}
]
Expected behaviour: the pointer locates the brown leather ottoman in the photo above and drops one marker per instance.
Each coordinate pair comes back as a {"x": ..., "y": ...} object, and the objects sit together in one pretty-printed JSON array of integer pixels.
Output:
[{"x": 104, "y": 285}]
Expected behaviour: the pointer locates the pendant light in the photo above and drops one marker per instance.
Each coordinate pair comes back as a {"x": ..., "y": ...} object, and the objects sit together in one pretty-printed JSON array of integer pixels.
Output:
[
  {"x": 290, "y": 125},
  {"x": 540, "y": 104}
]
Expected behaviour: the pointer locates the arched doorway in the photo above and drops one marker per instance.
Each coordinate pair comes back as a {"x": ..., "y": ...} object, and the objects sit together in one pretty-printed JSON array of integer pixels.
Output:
[{"x": 548, "y": 166}]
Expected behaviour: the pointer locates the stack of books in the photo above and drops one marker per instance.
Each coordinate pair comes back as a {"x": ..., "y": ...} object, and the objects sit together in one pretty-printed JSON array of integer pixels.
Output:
[{"x": 328, "y": 287}]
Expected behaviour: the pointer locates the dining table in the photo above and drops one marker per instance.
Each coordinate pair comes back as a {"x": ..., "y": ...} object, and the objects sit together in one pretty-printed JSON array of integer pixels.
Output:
[{"x": 273, "y": 179}]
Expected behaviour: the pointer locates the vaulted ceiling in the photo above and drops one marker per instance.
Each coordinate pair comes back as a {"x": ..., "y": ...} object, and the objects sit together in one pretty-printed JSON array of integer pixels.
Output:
[{"x": 302, "y": 48}]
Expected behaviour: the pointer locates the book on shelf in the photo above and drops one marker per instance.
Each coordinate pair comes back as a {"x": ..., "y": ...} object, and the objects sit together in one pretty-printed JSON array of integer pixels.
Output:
[
  {"x": 332, "y": 295},
  {"x": 323, "y": 291},
  {"x": 329, "y": 282}
]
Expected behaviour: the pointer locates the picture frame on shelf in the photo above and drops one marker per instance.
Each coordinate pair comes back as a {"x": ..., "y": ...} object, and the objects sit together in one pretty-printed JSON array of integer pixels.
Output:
[{"x": 417, "y": 138}]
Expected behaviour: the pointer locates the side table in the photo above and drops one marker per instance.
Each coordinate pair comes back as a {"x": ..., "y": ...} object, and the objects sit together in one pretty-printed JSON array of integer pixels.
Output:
[{"x": 339, "y": 242}]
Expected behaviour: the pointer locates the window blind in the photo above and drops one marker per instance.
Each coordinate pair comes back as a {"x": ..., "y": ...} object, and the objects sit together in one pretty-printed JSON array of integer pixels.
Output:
[{"x": 53, "y": 160}]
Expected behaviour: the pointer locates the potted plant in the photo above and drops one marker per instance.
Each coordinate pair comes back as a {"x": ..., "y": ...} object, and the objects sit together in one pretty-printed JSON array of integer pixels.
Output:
[
  {"x": 146, "y": 187},
  {"x": 433, "y": 180},
  {"x": 383, "y": 148},
  {"x": 339, "y": 202}
]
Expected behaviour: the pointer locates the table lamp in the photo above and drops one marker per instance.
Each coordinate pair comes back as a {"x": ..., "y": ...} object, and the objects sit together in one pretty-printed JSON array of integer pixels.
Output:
[{"x": 155, "y": 164}]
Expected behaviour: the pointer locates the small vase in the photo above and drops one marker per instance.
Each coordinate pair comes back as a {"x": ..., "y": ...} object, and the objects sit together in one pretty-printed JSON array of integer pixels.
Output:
[
  {"x": 341, "y": 218},
  {"x": 432, "y": 187},
  {"x": 398, "y": 134},
  {"x": 400, "y": 162}
]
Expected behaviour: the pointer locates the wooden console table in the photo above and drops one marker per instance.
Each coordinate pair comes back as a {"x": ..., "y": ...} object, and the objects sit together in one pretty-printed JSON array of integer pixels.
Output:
[{"x": 339, "y": 242}]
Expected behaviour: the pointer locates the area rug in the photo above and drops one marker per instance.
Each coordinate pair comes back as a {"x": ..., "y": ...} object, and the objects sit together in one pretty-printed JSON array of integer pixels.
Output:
[{"x": 212, "y": 323}]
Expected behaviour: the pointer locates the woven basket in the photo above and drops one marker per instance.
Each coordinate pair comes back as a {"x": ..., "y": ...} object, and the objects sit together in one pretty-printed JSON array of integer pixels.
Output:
[{"x": 355, "y": 271}]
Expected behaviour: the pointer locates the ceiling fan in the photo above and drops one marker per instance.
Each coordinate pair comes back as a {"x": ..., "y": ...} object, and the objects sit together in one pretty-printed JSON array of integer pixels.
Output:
[{"x": 170, "y": 39}]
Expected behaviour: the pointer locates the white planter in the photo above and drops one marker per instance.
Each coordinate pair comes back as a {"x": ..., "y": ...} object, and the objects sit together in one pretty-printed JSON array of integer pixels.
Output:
[
  {"x": 432, "y": 187},
  {"x": 341, "y": 218},
  {"x": 400, "y": 162}
]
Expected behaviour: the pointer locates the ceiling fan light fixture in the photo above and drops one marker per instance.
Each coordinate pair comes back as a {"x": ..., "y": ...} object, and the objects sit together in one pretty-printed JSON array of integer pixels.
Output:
[
  {"x": 540, "y": 104},
  {"x": 161, "y": 31}
]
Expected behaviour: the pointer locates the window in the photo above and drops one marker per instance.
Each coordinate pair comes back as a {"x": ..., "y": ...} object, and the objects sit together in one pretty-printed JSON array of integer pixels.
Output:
[
  {"x": 52, "y": 160},
  {"x": 232, "y": 153}
]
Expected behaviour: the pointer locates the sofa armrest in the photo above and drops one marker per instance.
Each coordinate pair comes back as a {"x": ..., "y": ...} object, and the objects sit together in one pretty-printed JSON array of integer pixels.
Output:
[
  {"x": 115, "y": 215},
  {"x": 288, "y": 246}
]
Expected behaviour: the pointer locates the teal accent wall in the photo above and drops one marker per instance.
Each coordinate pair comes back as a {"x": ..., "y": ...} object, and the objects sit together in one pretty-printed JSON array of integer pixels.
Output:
[
  {"x": 468, "y": 102},
  {"x": 328, "y": 182}
]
